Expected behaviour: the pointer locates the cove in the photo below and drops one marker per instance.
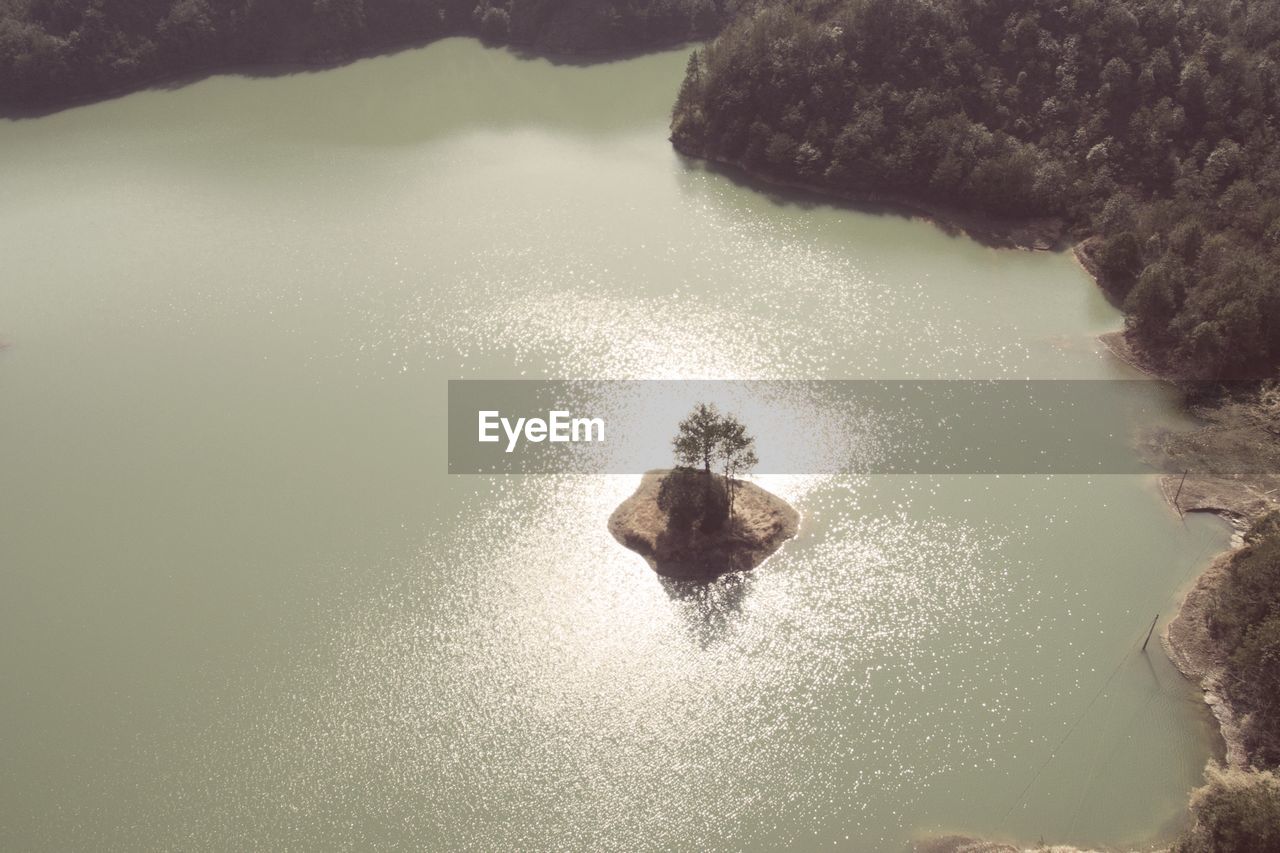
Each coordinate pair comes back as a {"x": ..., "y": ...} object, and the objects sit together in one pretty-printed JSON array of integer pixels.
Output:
[{"x": 244, "y": 606}]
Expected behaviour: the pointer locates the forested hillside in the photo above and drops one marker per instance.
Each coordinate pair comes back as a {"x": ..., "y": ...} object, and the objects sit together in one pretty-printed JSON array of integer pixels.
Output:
[
  {"x": 53, "y": 51},
  {"x": 1147, "y": 123}
]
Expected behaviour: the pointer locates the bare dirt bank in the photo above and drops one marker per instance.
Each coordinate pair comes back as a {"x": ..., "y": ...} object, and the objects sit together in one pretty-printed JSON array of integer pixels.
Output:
[{"x": 1189, "y": 645}]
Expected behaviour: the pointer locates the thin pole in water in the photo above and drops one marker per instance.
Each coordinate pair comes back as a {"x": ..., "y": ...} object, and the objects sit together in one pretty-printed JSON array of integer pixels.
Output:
[
  {"x": 1150, "y": 631},
  {"x": 1179, "y": 494}
]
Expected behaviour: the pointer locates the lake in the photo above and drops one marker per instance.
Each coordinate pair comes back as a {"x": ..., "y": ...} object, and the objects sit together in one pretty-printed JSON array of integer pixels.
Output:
[{"x": 243, "y": 605}]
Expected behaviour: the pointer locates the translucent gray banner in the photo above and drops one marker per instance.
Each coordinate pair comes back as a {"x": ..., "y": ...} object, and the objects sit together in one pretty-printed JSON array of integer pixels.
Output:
[{"x": 814, "y": 426}]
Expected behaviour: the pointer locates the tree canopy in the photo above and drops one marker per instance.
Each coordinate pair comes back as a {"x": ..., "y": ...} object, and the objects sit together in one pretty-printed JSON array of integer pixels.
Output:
[
  {"x": 698, "y": 437},
  {"x": 707, "y": 438}
]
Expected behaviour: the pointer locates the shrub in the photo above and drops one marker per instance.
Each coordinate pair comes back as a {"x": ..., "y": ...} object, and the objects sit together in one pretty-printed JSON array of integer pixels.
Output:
[{"x": 1237, "y": 811}]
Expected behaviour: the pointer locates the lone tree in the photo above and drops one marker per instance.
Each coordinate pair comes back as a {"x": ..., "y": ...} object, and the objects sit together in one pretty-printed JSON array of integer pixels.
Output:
[
  {"x": 707, "y": 437},
  {"x": 695, "y": 443}
]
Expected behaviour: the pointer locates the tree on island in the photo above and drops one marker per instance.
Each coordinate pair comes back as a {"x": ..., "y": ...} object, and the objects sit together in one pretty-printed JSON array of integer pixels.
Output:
[
  {"x": 688, "y": 496},
  {"x": 736, "y": 452},
  {"x": 706, "y": 438},
  {"x": 699, "y": 434}
]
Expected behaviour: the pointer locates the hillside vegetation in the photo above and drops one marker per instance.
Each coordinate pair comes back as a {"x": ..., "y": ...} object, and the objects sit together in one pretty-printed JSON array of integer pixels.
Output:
[
  {"x": 1237, "y": 811},
  {"x": 1147, "y": 124},
  {"x": 1244, "y": 621}
]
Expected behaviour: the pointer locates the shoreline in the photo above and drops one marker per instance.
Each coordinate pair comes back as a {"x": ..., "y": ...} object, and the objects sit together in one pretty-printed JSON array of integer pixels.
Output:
[
  {"x": 1044, "y": 235},
  {"x": 170, "y": 80},
  {"x": 1185, "y": 638},
  {"x": 1188, "y": 645},
  {"x": 1238, "y": 501}
]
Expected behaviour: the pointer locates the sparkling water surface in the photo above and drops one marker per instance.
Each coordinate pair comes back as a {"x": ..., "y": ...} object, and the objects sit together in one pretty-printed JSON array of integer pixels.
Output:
[{"x": 242, "y": 605}]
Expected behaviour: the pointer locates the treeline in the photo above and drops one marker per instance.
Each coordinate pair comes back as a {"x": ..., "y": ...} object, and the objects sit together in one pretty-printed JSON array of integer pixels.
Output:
[
  {"x": 1146, "y": 124},
  {"x": 1238, "y": 811},
  {"x": 55, "y": 51}
]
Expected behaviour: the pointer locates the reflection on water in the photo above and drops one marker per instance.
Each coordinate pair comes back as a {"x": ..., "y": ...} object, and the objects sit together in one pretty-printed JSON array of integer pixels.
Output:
[
  {"x": 708, "y": 608},
  {"x": 572, "y": 679},
  {"x": 246, "y": 608}
]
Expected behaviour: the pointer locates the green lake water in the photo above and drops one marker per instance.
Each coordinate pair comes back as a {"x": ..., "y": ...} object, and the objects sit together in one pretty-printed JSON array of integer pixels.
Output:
[{"x": 243, "y": 606}]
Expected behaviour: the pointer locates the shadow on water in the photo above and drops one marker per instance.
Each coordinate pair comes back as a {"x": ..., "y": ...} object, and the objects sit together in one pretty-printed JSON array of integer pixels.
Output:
[
  {"x": 593, "y": 58},
  {"x": 990, "y": 232},
  {"x": 709, "y": 609},
  {"x": 168, "y": 80}
]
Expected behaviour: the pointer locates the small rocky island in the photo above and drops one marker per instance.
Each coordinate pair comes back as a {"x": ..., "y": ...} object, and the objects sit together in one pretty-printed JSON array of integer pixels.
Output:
[
  {"x": 692, "y": 523},
  {"x": 760, "y": 523}
]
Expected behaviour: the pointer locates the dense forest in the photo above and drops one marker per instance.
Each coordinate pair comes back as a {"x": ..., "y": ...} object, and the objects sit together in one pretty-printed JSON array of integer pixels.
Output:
[
  {"x": 1147, "y": 125},
  {"x": 54, "y": 51}
]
